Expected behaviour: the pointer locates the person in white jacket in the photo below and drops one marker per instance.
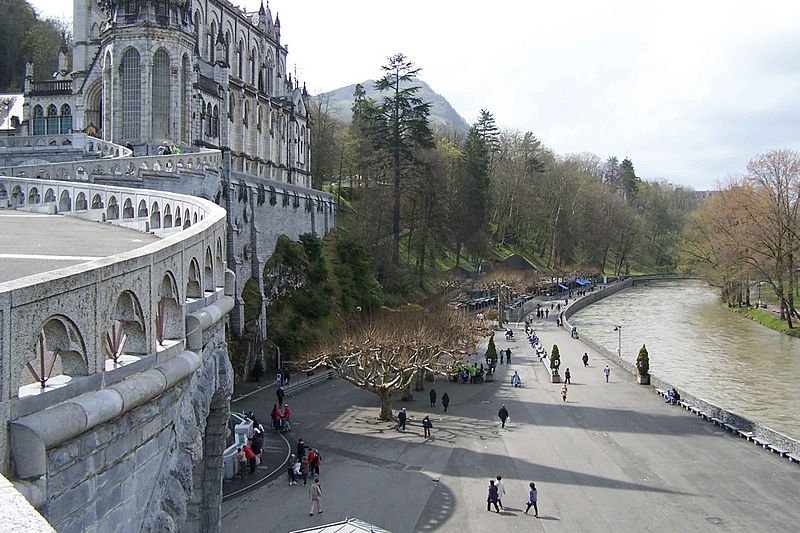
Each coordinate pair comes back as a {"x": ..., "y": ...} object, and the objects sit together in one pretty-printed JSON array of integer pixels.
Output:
[{"x": 501, "y": 490}]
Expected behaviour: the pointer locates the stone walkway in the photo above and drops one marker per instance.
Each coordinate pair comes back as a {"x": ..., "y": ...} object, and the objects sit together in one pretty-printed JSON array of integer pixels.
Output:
[{"x": 614, "y": 457}]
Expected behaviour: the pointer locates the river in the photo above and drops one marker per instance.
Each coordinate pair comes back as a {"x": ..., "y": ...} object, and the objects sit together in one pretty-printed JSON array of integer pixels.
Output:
[{"x": 699, "y": 346}]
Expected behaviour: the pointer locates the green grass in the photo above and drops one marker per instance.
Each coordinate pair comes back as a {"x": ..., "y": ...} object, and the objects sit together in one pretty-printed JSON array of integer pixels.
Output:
[{"x": 767, "y": 319}]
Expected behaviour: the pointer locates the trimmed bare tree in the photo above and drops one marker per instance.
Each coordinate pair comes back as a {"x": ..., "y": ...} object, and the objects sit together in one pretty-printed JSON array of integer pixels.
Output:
[
  {"x": 383, "y": 353},
  {"x": 506, "y": 282}
]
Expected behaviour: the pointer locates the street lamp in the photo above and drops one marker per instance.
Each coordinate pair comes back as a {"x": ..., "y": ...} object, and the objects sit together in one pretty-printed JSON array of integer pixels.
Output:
[{"x": 618, "y": 329}]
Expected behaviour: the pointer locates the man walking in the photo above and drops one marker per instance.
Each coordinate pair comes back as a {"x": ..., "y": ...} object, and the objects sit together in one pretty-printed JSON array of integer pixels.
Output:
[
  {"x": 508, "y": 356},
  {"x": 491, "y": 499},
  {"x": 280, "y": 394},
  {"x": 585, "y": 359},
  {"x": 503, "y": 414},
  {"x": 401, "y": 419},
  {"x": 567, "y": 376},
  {"x": 315, "y": 493},
  {"x": 445, "y": 401},
  {"x": 427, "y": 425},
  {"x": 607, "y": 372},
  {"x": 433, "y": 397},
  {"x": 501, "y": 491}
]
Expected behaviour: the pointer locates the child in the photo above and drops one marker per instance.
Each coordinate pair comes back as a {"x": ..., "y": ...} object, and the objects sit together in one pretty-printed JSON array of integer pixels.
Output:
[{"x": 532, "y": 496}]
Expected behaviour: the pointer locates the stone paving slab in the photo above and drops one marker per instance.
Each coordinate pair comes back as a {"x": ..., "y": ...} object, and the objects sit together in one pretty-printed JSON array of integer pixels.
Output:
[{"x": 614, "y": 457}]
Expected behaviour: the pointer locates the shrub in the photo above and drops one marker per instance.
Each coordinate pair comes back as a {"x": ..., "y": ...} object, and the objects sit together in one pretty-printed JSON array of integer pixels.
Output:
[
  {"x": 555, "y": 358},
  {"x": 491, "y": 352},
  {"x": 643, "y": 361}
]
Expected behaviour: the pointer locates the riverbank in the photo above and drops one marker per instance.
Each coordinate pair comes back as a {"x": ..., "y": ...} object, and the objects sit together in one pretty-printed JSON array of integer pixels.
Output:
[
  {"x": 690, "y": 338},
  {"x": 766, "y": 318}
]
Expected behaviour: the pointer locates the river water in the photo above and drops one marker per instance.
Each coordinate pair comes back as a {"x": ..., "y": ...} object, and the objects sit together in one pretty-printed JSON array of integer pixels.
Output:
[{"x": 699, "y": 346}]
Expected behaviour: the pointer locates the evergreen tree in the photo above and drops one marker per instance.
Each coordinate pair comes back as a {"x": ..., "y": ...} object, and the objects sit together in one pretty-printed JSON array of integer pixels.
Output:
[
  {"x": 555, "y": 358},
  {"x": 399, "y": 127},
  {"x": 472, "y": 191},
  {"x": 628, "y": 180},
  {"x": 491, "y": 352},
  {"x": 643, "y": 361},
  {"x": 489, "y": 133}
]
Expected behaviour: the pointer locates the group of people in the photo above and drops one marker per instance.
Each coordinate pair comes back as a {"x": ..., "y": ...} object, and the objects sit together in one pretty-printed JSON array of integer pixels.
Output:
[
  {"x": 469, "y": 374},
  {"x": 497, "y": 490},
  {"x": 673, "y": 396},
  {"x": 427, "y": 424},
  {"x": 249, "y": 455},
  {"x": 281, "y": 419},
  {"x": 168, "y": 148},
  {"x": 303, "y": 465}
]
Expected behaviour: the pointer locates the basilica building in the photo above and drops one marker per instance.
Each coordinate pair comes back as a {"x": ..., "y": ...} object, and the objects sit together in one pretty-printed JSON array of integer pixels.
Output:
[{"x": 193, "y": 74}]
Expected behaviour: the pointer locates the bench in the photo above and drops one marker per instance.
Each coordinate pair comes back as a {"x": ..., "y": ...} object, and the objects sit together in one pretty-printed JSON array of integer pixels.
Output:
[
  {"x": 775, "y": 449},
  {"x": 793, "y": 457},
  {"x": 661, "y": 393},
  {"x": 717, "y": 421},
  {"x": 761, "y": 442},
  {"x": 684, "y": 405},
  {"x": 745, "y": 434}
]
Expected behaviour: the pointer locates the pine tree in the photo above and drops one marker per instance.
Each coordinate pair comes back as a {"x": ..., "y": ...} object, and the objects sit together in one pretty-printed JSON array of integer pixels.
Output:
[
  {"x": 555, "y": 358},
  {"x": 399, "y": 127},
  {"x": 643, "y": 361},
  {"x": 491, "y": 352}
]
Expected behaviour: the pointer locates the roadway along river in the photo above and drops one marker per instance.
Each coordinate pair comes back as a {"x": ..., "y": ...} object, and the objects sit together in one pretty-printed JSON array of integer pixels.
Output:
[{"x": 697, "y": 345}]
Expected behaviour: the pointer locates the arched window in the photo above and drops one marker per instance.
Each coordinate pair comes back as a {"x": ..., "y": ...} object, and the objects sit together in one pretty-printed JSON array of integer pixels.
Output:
[
  {"x": 161, "y": 94},
  {"x": 185, "y": 88},
  {"x": 230, "y": 107},
  {"x": 253, "y": 58},
  {"x": 38, "y": 120},
  {"x": 227, "y": 48},
  {"x": 239, "y": 59},
  {"x": 131, "y": 94},
  {"x": 211, "y": 37},
  {"x": 197, "y": 28},
  {"x": 270, "y": 71},
  {"x": 245, "y": 110},
  {"x": 52, "y": 119},
  {"x": 260, "y": 81},
  {"x": 258, "y": 117},
  {"x": 215, "y": 122},
  {"x": 209, "y": 120},
  {"x": 66, "y": 119}
]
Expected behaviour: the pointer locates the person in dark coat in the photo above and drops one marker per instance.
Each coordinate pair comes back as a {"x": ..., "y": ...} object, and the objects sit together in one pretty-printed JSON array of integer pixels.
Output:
[
  {"x": 433, "y": 397},
  {"x": 301, "y": 448},
  {"x": 280, "y": 394},
  {"x": 427, "y": 425},
  {"x": 503, "y": 414},
  {"x": 445, "y": 401},
  {"x": 401, "y": 419},
  {"x": 491, "y": 499}
]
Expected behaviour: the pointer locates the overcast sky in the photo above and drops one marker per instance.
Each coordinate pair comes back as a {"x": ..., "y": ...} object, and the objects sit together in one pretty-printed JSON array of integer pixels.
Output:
[{"x": 689, "y": 90}]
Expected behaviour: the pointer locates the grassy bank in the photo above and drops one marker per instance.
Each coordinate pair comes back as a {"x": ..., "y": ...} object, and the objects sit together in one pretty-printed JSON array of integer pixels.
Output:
[{"x": 767, "y": 319}]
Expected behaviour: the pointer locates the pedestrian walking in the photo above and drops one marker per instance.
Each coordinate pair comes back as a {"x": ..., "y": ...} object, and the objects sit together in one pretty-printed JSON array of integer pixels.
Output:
[
  {"x": 280, "y": 393},
  {"x": 251, "y": 458},
  {"x": 401, "y": 419},
  {"x": 290, "y": 470},
  {"x": 607, "y": 372},
  {"x": 503, "y": 414},
  {"x": 445, "y": 401},
  {"x": 427, "y": 425},
  {"x": 532, "y": 498},
  {"x": 501, "y": 491},
  {"x": 508, "y": 356},
  {"x": 314, "y": 462},
  {"x": 564, "y": 392},
  {"x": 585, "y": 359},
  {"x": 301, "y": 448},
  {"x": 304, "y": 469},
  {"x": 433, "y": 397},
  {"x": 315, "y": 493},
  {"x": 567, "y": 377},
  {"x": 491, "y": 499}
]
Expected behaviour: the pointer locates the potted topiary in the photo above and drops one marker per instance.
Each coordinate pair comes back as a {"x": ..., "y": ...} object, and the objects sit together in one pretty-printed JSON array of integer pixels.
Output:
[
  {"x": 643, "y": 366},
  {"x": 491, "y": 358},
  {"x": 555, "y": 362}
]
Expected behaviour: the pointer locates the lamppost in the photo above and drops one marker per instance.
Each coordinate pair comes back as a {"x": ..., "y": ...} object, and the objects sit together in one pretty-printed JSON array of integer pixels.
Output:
[{"x": 618, "y": 329}]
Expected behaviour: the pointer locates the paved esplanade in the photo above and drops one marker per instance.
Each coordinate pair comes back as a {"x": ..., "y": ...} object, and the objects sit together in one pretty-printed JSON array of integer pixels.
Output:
[
  {"x": 615, "y": 457},
  {"x": 32, "y": 243}
]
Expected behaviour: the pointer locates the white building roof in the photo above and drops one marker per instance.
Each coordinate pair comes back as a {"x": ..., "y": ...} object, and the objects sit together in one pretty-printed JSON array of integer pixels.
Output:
[{"x": 351, "y": 525}]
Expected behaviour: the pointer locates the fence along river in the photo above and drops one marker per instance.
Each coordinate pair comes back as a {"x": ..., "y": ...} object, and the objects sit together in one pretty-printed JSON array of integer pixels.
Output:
[{"x": 699, "y": 346}]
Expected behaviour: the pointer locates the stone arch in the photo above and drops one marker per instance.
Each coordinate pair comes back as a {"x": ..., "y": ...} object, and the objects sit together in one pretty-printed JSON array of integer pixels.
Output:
[
  {"x": 97, "y": 202},
  {"x": 194, "y": 287},
  {"x": 178, "y": 219},
  {"x": 64, "y": 352},
  {"x": 186, "y": 220},
  {"x": 169, "y": 311},
  {"x": 80, "y": 202},
  {"x": 167, "y": 216},
  {"x": 194, "y": 217},
  {"x": 155, "y": 216},
  {"x": 127, "y": 209},
  {"x": 141, "y": 211},
  {"x": 49, "y": 196},
  {"x": 128, "y": 311},
  {"x": 33, "y": 196},
  {"x": 3, "y": 192},
  {"x": 219, "y": 265},
  {"x": 208, "y": 271},
  {"x": 112, "y": 211},
  {"x": 93, "y": 114},
  {"x": 64, "y": 202},
  {"x": 17, "y": 197}
]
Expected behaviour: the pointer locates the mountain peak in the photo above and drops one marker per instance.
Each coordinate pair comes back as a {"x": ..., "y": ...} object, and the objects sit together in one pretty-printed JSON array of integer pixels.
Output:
[{"x": 442, "y": 113}]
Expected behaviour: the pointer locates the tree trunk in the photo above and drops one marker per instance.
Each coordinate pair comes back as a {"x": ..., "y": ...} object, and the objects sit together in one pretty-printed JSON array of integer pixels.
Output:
[
  {"x": 407, "y": 395},
  {"x": 418, "y": 381},
  {"x": 386, "y": 405}
]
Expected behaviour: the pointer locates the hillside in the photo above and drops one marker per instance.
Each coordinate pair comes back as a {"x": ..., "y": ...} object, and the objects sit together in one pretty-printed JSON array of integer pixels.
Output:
[{"x": 442, "y": 113}]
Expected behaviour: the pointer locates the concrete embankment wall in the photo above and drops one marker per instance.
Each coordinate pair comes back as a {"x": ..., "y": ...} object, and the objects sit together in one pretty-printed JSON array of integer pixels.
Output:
[{"x": 761, "y": 432}]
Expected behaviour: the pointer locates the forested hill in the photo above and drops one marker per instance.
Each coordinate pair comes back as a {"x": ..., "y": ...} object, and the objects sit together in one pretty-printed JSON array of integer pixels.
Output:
[{"x": 442, "y": 113}]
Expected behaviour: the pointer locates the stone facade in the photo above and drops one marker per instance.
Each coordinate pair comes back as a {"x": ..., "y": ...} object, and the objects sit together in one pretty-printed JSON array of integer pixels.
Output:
[{"x": 192, "y": 73}]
